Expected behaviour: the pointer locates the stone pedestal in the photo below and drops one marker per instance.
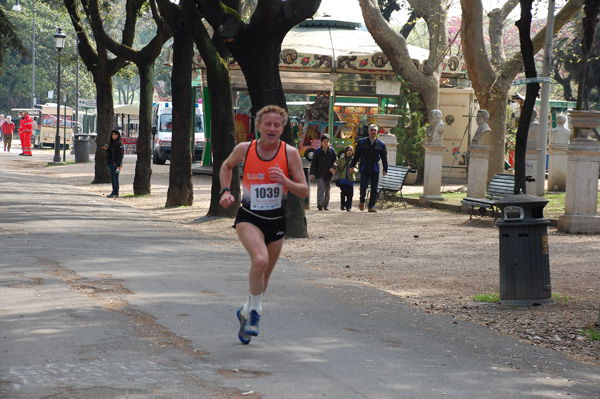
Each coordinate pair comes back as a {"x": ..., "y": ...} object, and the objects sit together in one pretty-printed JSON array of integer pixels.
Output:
[
  {"x": 391, "y": 144},
  {"x": 581, "y": 198},
  {"x": 479, "y": 160},
  {"x": 557, "y": 167},
  {"x": 531, "y": 167},
  {"x": 432, "y": 179}
]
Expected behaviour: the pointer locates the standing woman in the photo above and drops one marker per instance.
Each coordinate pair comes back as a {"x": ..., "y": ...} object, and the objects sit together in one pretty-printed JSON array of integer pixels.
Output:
[{"x": 114, "y": 160}]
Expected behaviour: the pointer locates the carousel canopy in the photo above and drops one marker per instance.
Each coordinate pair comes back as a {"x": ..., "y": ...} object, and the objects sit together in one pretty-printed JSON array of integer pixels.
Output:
[{"x": 320, "y": 52}]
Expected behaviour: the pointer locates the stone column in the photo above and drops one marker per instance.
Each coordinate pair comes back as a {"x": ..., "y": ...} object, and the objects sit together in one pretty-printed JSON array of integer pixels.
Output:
[
  {"x": 557, "y": 167},
  {"x": 391, "y": 144},
  {"x": 531, "y": 167},
  {"x": 432, "y": 180},
  {"x": 478, "y": 169},
  {"x": 387, "y": 122},
  {"x": 581, "y": 198}
]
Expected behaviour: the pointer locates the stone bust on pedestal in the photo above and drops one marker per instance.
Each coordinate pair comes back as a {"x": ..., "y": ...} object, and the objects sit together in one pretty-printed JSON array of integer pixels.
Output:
[
  {"x": 482, "y": 118},
  {"x": 534, "y": 131},
  {"x": 436, "y": 127},
  {"x": 560, "y": 135}
]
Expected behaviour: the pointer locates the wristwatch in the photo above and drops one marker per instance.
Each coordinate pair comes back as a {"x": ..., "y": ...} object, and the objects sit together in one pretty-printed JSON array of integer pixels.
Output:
[{"x": 223, "y": 190}]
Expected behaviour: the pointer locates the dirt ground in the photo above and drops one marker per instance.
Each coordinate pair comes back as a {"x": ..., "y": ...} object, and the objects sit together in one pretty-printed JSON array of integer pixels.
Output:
[{"x": 437, "y": 261}]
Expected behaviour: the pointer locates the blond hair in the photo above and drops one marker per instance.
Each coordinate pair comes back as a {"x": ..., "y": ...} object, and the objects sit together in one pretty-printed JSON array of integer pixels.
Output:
[{"x": 275, "y": 109}]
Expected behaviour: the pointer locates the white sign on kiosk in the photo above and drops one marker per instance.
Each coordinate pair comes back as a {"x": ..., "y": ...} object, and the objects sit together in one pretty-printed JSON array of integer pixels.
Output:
[{"x": 387, "y": 88}]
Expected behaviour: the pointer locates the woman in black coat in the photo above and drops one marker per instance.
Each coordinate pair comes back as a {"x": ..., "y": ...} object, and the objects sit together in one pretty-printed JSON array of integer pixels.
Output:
[{"x": 114, "y": 160}]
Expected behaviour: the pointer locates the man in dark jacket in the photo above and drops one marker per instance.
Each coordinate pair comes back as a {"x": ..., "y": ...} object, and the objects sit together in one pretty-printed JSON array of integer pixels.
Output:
[
  {"x": 322, "y": 169},
  {"x": 369, "y": 151}
]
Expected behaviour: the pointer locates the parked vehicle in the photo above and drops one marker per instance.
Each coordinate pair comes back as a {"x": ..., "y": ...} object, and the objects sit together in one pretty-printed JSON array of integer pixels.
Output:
[
  {"x": 311, "y": 138},
  {"x": 162, "y": 130}
]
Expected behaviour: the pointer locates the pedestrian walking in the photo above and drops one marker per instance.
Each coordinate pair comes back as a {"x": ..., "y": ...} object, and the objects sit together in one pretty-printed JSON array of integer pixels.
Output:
[
  {"x": 271, "y": 169},
  {"x": 369, "y": 151},
  {"x": 7, "y": 131},
  {"x": 114, "y": 160},
  {"x": 322, "y": 169},
  {"x": 25, "y": 130}
]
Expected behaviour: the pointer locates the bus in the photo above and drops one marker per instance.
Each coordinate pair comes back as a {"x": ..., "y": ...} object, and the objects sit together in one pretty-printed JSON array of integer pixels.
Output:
[{"x": 47, "y": 126}]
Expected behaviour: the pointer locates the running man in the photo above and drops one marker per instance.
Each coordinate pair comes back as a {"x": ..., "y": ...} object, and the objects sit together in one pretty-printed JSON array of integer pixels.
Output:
[{"x": 271, "y": 169}]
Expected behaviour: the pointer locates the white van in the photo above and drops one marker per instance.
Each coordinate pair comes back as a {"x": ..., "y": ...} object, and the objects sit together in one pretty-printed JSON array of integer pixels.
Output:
[{"x": 162, "y": 129}]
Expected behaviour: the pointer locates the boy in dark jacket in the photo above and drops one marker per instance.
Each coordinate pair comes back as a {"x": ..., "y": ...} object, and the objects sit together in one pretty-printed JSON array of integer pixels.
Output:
[{"x": 322, "y": 169}]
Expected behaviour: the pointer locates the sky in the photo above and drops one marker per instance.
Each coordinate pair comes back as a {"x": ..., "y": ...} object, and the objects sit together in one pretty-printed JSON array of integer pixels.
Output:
[{"x": 350, "y": 9}]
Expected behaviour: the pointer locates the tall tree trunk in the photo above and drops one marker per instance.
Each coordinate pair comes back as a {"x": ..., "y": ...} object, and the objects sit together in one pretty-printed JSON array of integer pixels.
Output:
[
  {"x": 105, "y": 123},
  {"x": 181, "y": 190},
  {"x": 524, "y": 25},
  {"x": 223, "y": 139},
  {"x": 143, "y": 171}
]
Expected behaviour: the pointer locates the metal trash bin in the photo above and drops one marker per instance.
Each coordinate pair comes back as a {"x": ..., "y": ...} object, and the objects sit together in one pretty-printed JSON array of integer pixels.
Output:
[
  {"x": 524, "y": 257},
  {"x": 82, "y": 147},
  {"x": 93, "y": 146}
]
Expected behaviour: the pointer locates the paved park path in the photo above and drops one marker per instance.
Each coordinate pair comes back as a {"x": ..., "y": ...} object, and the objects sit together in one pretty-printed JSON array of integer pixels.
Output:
[{"x": 99, "y": 301}]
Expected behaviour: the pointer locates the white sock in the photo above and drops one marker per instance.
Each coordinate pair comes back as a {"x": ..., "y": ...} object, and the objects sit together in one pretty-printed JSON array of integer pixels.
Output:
[{"x": 255, "y": 303}]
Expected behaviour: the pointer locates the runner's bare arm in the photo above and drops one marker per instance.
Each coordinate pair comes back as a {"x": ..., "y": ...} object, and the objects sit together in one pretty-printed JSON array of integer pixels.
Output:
[
  {"x": 297, "y": 184},
  {"x": 236, "y": 156}
]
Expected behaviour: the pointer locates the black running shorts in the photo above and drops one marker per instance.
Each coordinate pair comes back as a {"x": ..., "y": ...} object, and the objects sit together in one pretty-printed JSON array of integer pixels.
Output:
[{"x": 273, "y": 228}]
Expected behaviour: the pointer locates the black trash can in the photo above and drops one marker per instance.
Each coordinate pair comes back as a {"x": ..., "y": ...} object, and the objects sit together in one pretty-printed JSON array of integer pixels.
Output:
[
  {"x": 524, "y": 257},
  {"x": 82, "y": 147}
]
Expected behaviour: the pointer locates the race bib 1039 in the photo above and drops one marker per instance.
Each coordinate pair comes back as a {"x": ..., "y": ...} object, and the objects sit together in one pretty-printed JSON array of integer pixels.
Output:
[{"x": 265, "y": 197}]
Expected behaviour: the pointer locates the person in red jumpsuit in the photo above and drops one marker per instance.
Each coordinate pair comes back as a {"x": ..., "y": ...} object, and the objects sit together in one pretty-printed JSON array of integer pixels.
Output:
[{"x": 25, "y": 130}]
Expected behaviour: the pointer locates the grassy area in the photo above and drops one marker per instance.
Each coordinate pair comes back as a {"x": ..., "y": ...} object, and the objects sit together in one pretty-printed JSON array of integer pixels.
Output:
[
  {"x": 554, "y": 208},
  {"x": 490, "y": 298},
  {"x": 592, "y": 333},
  {"x": 494, "y": 298}
]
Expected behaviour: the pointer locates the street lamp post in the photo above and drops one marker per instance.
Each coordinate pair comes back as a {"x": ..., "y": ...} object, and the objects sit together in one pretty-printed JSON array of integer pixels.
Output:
[
  {"x": 59, "y": 40},
  {"x": 17, "y": 7}
]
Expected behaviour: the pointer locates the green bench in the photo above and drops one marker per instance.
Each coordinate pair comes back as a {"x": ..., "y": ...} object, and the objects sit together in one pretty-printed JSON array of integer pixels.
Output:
[{"x": 501, "y": 186}]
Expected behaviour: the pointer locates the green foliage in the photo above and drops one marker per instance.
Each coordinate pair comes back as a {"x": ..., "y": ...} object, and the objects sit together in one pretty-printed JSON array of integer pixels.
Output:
[
  {"x": 593, "y": 333},
  {"x": 16, "y": 73},
  {"x": 561, "y": 298},
  {"x": 409, "y": 132},
  {"x": 490, "y": 298},
  {"x": 8, "y": 37}
]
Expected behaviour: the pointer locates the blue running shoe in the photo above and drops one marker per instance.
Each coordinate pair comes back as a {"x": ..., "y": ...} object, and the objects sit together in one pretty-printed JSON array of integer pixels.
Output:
[
  {"x": 252, "y": 324},
  {"x": 244, "y": 338}
]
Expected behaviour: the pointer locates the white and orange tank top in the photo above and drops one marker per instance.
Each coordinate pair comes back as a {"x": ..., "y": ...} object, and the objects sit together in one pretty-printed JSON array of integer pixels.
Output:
[{"x": 259, "y": 193}]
